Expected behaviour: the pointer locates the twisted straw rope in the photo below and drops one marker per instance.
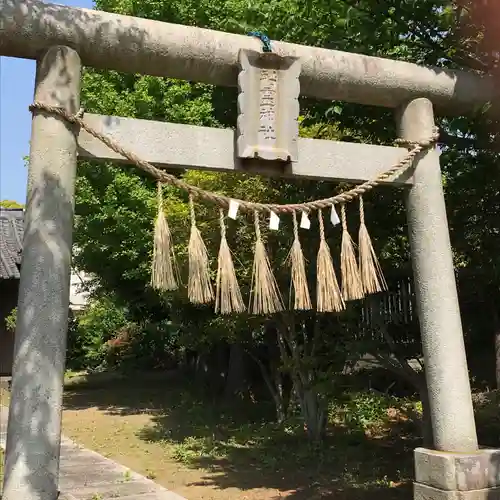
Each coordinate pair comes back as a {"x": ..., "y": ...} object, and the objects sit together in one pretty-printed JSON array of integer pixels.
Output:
[
  {"x": 191, "y": 210},
  {"x": 295, "y": 226},
  {"x": 343, "y": 217},
  {"x": 223, "y": 201},
  {"x": 321, "y": 225},
  {"x": 159, "y": 189},
  {"x": 222, "y": 224}
]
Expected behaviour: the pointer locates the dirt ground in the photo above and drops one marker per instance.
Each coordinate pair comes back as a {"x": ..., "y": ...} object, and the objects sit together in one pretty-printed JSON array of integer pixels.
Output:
[
  {"x": 115, "y": 436},
  {"x": 205, "y": 450}
]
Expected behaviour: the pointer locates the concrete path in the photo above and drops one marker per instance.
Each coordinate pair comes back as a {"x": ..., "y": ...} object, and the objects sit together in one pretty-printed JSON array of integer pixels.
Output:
[{"x": 86, "y": 475}]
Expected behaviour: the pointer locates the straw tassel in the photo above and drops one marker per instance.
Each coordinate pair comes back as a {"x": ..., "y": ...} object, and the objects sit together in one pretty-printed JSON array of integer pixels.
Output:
[
  {"x": 352, "y": 287},
  {"x": 372, "y": 276},
  {"x": 228, "y": 295},
  {"x": 164, "y": 268},
  {"x": 298, "y": 284},
  {"x": 200, "y": 289},
  {"x": 265, "y": 296},
  {"x": 328, "y": 296}
]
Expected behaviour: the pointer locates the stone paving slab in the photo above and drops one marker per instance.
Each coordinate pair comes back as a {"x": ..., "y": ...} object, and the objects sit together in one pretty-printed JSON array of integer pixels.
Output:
[
  {"x": 118, "y": 490},
  {"x": 86, "y": 475}
]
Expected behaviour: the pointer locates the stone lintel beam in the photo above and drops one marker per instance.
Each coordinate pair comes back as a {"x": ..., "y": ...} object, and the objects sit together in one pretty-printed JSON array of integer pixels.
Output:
[
  {"x": 169, "y": 145},
  {"x": 135, "y": 45}
]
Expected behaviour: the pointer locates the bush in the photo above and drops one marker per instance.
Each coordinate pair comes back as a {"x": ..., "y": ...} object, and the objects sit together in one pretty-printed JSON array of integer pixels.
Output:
[
  {"x": 91, "y": 330},
  {"x": 486, "y": 406},
  {"x": 10, "y": 320},
  {"x": 364, "y": 409},
  {"x": 103, "y": 337},
  {"x": 149, "y": 346},
  {"x": 371, "y": 410}
]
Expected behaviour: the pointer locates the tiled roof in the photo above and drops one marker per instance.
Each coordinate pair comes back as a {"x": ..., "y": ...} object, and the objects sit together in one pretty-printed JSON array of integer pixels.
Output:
[{"x": 11, "y": 241}]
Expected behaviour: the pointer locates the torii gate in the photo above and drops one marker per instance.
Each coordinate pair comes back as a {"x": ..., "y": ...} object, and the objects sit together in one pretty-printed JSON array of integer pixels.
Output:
[{"x": 61, "y": 39}]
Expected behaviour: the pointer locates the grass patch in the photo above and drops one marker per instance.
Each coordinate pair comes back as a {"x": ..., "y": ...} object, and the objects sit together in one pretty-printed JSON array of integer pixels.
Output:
[
  {"x": 165, "y": 427},
  {"x": 171, "y": 432}
]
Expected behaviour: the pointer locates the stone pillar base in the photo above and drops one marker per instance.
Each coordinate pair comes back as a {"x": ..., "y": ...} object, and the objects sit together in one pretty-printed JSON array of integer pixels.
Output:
[
  {"x": 423, "y": 492},
  {"x": 457, "y": 476}
]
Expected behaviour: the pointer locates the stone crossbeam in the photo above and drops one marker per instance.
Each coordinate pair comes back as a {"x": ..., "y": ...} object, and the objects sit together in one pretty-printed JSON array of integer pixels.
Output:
[
  {"x": 169, "y": 145},
  {"x": 134, "y": 45}
]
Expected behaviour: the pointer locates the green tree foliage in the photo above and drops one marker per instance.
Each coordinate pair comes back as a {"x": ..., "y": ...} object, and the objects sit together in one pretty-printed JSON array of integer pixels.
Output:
[
  {"x": 10, "y": 204},
  {"x": 10, "y": 320},
  {"x": 342, "y": 25},
  {"x": 116, "y": 204},
  {"x": 90, "y": 332}
]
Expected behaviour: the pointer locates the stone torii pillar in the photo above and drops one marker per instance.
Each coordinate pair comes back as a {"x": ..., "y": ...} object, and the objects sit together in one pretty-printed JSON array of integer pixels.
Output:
[
  {"x": 456, "y": 468},
  {"x": 34, "y": 427},
  {"x": 436, "y": 292}
]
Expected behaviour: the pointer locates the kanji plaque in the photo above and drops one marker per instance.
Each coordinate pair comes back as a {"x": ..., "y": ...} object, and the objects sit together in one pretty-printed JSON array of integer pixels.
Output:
[{"x": 268, "y": 106}]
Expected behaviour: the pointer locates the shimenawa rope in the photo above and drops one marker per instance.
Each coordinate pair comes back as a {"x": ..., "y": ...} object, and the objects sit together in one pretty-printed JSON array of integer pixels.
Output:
[{"x": 223, "y": 201}]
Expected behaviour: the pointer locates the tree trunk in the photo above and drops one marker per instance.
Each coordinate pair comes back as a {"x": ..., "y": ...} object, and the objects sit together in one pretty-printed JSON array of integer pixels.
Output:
[
  {"x": 211, "y": 368},
  {"x": 497, "y": 357},
  {"x": 417, "y": 380},
  {"x": 402, "y": 368},
  {"x": 496, "y": 326},
  {"x": 313, "y": 412},
  {"x": 280, "y": 391},
  {"x": 314, "y": 416},
  {"x": 236, "y": 372},
  {"x": 279, "y": 402},
  {"x": 286, "y": 387},
  {"x": 312, "y": 407}
]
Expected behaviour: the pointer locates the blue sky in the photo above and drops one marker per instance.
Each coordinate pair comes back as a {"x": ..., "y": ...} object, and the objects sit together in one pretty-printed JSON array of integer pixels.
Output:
[{"x": 17, "y": 78}]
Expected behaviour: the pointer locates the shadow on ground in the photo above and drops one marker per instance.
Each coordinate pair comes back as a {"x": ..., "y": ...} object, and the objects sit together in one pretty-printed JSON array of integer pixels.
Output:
[{"x": 237, "y": 446}]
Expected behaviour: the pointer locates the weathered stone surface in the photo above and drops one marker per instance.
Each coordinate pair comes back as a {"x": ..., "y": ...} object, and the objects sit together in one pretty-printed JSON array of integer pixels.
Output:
[
  {"x": 34, "y": 426},
  {"x": 438, "y": 310},
  {"x": 66, "y": 496},
  {"x": 173, "y": 145},
  {"x": 425, "y": 492},
  {"x": 84, "y": 473},
  {"x": 268, "y": 106},
  {"x": 134, "y": 45},
  {"x": 168, "y": 495},
  {"x": 74, "y": 469},
  {"x": 79, "y": 458},
  {"x": 458, "y": 471},
  {"x": 113, "y": 490}
]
